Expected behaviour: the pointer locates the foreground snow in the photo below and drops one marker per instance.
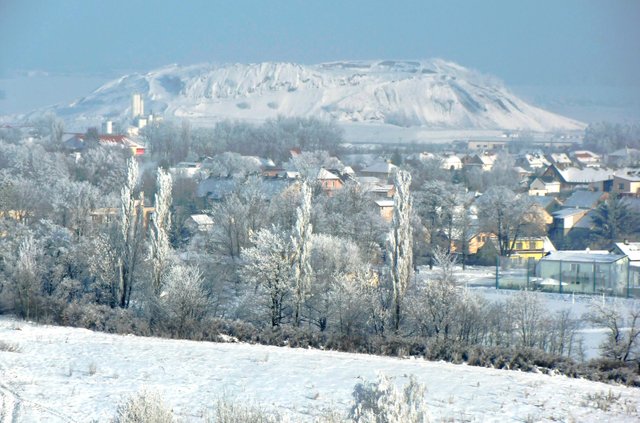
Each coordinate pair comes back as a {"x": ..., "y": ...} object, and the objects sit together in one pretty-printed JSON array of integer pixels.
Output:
[{"x": 66, "y": 374}]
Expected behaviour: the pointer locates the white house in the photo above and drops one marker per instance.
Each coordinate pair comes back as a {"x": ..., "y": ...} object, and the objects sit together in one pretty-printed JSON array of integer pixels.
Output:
[{"x": 540, "y": 187}]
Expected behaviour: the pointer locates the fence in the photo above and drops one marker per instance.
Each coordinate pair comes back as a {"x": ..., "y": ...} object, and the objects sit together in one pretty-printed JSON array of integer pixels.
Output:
[{"x": 566, "y": 277}]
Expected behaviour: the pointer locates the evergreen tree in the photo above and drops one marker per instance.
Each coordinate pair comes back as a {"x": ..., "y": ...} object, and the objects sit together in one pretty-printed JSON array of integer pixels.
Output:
[{"x": 613, "y": 220}]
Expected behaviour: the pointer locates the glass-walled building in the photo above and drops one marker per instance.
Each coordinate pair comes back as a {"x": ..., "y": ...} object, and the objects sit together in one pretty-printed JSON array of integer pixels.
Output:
[{"x": 583, "y": 272}]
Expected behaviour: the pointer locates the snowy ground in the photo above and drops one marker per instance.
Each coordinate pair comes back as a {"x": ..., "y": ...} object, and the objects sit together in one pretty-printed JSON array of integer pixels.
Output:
[{"x": 64, "y": 374}]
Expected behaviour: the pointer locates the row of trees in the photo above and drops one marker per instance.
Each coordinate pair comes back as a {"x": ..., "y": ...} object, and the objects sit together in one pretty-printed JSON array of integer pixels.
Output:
[{"x": 171, "y": 143}]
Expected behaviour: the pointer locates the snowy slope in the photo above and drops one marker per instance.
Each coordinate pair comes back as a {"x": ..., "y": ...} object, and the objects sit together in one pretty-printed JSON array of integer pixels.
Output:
[
  {"x": 433, "y": 94},
  {"x": 65, "y": 374}
]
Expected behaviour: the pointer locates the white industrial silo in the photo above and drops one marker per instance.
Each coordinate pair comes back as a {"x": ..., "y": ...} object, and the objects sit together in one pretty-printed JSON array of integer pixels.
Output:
[
  {"x": 137, "y": 106},
  {"x": 107, "y": 127}
]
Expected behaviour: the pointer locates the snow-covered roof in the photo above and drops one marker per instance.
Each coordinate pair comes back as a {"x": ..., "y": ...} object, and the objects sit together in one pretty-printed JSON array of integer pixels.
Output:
[
  {"x": 582, "y": 199},
  {"x": 202, "y": 219},
  {"x": 348, "y": 170},
  {"x": 560, "y": 158},
  {"x": 631, "y": 249},
  {"x": 543, "y": 200},
  {"x": 216, "y": 188},
  {"x": 487, "y": 158},
  {"x": 324, "y": 174},
  {"x": 368, "y": 180},
  {"x": 521, "y": 170},
  {"x": 632, "y": 175},
  {"x": 536, "y": 160},
  {"x": 586, "y": 155},
  {"x": 381, "y": 167},
  {"x": 588, "y": 175},
  {"x": 563, "y": 213},
  {"x": 624, "y": 152},
  {"x": 384, "y": 203},
  {"x": 583, "y": 256},
  {"x": 586, "y": 222}
]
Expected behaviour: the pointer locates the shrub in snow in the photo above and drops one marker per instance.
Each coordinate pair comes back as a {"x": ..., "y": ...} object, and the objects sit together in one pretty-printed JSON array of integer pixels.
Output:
[
  {"x": 382, "y": 402},
  {"x": 145, "y": 407},
  {"x": 234, "y": 412}
]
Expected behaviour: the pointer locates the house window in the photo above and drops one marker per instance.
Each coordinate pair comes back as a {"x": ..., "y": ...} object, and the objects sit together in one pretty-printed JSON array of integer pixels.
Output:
[
  {"x": 518, "y": 245},
  {"x": 621, "y": 186}
]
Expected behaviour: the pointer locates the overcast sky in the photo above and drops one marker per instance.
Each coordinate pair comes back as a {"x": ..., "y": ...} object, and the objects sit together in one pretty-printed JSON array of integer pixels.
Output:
[{"x": 522, "y": 42}]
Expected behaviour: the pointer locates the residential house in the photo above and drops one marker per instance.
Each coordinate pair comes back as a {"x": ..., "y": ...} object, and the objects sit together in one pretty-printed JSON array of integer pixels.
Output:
[
  {"x": 560, "y": 160},
  {"x": 386, "y": 209},
  {"x": 199, "y": 223},
  {"x": 477, "y": 240},
  {"x": 488, "y": 144},
  {"x": 583, "y": 199},
  {"x": 523, "y": 174},
  {"x": 624, "y": 157},
  {"x": 187, "y": 170},
  {"x": 329, "y": 181},
  {"x": 546, "y": 204},
  {"x": 215, "y": 189},
  {"x": 532, "y": 161},
  {"x": 627, "y": 182},
  {"x": 564, "y": 220},
  {"x": 382, "y": 170},
  {"x": 451, "y": 162},
  {"x": 484, "y": 161},
  {"x": 539, "y": 187},
  {"x": 573, "y": 220},
  {"x": 104, "y": 215},
  {"x": 524, "y": 248},
  {"x": 587, "y": 158},
  {"x": 571, "y": 178},
  {"x": 78, "y": 143}
]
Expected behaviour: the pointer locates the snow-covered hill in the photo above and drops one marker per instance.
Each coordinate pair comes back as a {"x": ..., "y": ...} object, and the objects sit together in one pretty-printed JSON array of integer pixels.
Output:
[
  {"x": 60, "y": 374},
  {"x": 433, "y": 94}
]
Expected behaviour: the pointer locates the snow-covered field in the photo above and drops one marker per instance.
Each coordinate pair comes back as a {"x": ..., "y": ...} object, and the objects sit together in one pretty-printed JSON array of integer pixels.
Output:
[{"x": 64, "y": 374}]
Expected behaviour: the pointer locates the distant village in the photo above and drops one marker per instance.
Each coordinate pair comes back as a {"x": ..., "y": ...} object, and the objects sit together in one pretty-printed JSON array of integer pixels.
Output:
[{"x": 566, "y": 185}]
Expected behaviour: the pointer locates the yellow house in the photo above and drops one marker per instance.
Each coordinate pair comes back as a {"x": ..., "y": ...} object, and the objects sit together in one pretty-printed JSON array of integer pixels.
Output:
[
  {"x": 532, "y": 247},
  {"x": 523, "y": 249},
  {"x": 474, "y": 242},
  {"x": 386, "y": 209}
]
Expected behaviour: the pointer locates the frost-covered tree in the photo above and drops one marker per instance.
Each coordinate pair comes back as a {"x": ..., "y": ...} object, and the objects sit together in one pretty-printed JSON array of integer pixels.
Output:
[
  {"x": 301, "y": 252},
  {"x": 439, "y": 202},
  {"x": 160, "y": 227},
  {"x": 242, "y": 212},
  {"x": 335, "y": 294},
  {"x": 26, "y": 277},
  {"x": 129, "y": 236},
  {"x": 185, "y": 298},
  {"x": 399, "y": 253},
  {"x": 509, "y": 216},
  {"x": 623, "y": 334},
  {"x": 267, "y": 266},
  {"x": 526, "y": 313},
  {"x": 382, "y": 402}
]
